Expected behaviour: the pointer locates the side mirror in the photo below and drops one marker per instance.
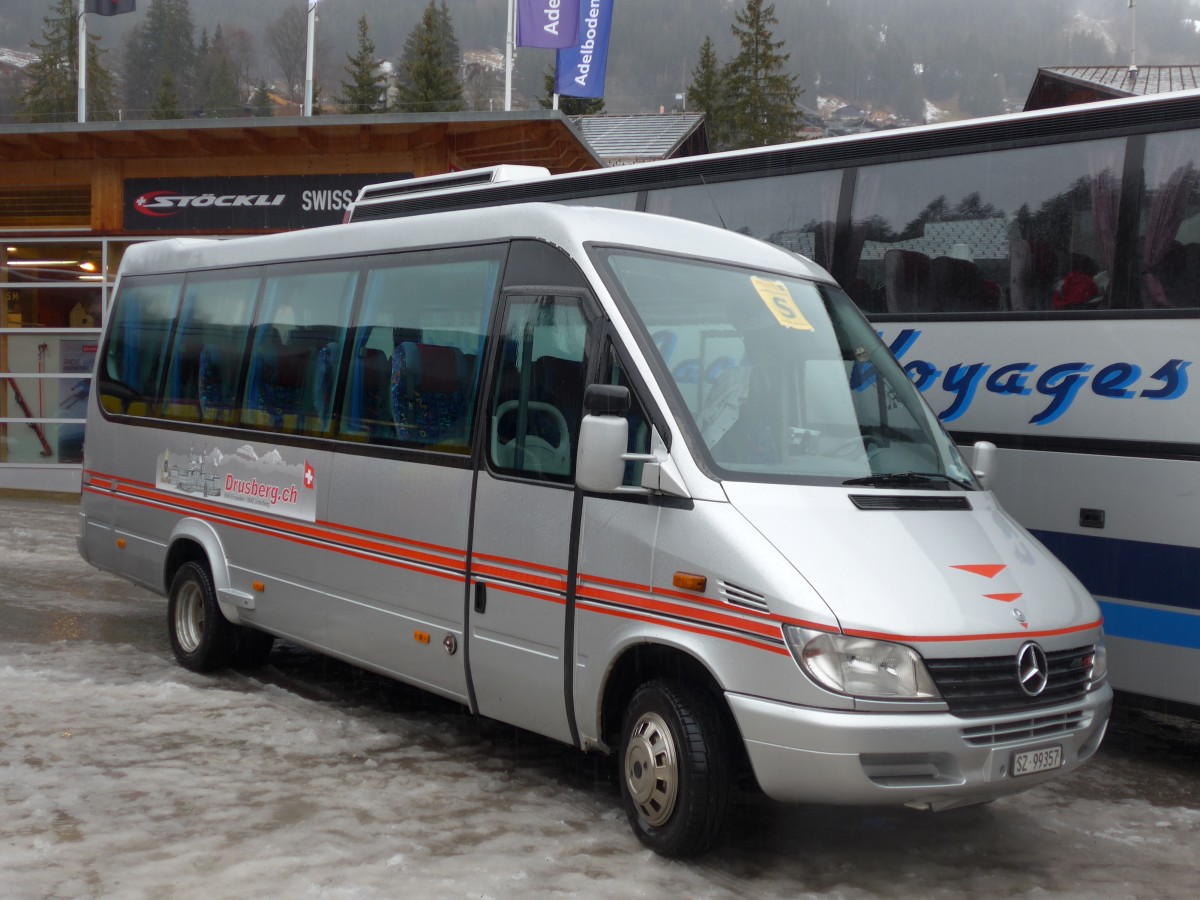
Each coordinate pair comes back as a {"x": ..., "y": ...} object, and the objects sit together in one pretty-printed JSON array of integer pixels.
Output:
[
  {"x": 603, "y": 437},
  {"x": 984, "y": 462}
]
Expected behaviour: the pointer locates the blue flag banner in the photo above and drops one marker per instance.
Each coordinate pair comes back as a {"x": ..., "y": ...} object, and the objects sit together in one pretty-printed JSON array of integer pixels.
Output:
[
  {"x": 108, "y": 7},
  {"x": 549, "y": 24},
  {"x": 579, "y": 69}
]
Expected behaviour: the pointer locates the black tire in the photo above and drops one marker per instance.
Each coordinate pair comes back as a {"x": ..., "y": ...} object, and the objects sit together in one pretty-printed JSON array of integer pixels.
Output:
[
  {"x": 676, "y": 769},
  {"x": 201, "y": 637}
]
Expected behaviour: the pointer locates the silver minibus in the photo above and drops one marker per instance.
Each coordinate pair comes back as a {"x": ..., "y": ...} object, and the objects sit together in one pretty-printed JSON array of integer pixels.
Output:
[{"x": 450, "y": 449}]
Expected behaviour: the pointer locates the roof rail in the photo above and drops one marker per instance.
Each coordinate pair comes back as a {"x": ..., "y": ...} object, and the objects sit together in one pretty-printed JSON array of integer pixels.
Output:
[{"x": 374, "y": 201}]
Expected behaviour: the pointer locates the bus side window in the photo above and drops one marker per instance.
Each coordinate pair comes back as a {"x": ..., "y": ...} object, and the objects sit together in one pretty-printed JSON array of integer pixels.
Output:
[
  {"x": 210, "y": 339},
  {"x": 297, "y": 351},
  {"x": 1031, "y": 229},
  {"x": 538, "y": 395},
  {"x": 137, "y": 346},
  {"x": 413, "y": 373},
  {"x": 1168, "y": 243}
]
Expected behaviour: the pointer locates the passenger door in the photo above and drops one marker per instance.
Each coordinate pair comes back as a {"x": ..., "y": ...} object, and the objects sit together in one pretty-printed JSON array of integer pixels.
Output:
[{"x": 526, "y": 515}]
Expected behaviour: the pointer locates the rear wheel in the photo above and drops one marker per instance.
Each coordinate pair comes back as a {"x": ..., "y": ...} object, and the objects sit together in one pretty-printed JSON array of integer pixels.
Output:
[
  {"x": 675, "y": 768},
  {"x": 201, "y": 637}
]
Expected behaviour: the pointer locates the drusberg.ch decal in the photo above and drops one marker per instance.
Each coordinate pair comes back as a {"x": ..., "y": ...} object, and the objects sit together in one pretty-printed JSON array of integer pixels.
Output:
[{"x": 1060, "y": 384}]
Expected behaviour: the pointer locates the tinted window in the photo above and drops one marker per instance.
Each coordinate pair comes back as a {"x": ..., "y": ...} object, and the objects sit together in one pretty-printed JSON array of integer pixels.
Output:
[
  {"x": 1030, "y": 229},
  {"x": 137, "y": 345},
  {"x": 1168, "y": 242},
  {"x": 297, "y": 351},
  {"x": 534, "y": 417},
  {"x": 797, "y": 212},
  {"x": 209, "y": 346},
  {"x": 417, "y": 342}
]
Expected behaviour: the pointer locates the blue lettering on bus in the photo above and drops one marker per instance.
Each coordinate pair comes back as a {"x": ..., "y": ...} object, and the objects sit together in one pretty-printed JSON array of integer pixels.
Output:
[
  {"x": 1174, "y": 377},
  {"x": 961, "y": 381},
  {"x": 1060, "y": 383}
]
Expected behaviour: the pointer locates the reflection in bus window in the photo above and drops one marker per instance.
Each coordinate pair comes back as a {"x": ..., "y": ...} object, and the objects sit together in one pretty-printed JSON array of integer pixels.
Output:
[
  {"x": 1034, "y": 229},
  {"x": 607, "y": 201},
  {"x": 783, "y": 210},
  {"x": 1168, "y": 242},
  {"x": 206, "y": 356},
  {"x": 137, "y": 346},
  {"x": 297, "y": 352},
  {"x": 781, "y": 379},
  {"x": 418, "y": 341}
]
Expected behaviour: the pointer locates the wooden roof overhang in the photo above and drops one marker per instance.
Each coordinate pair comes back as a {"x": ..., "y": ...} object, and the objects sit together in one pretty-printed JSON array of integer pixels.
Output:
[{"x": 465, "y": 140}]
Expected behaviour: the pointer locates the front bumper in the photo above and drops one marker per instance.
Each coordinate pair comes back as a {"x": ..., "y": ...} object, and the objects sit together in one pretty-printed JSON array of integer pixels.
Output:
[{"x": 929, "y": 760}]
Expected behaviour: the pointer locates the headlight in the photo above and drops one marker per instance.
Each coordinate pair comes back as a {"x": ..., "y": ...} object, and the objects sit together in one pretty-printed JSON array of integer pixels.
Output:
[
  {"x": 1099, "y": 662},
  {"x": 861, "y": 667}
]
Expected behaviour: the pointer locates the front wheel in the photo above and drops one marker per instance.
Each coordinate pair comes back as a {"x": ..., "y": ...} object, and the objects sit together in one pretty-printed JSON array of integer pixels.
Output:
[
  {"x": 675, "y": 768},
  {"x": 201, "y": 637}
]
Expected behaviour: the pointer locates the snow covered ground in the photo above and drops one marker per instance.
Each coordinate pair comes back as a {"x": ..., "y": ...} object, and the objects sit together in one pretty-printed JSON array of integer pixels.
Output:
[{"x": 124, "y": 776}]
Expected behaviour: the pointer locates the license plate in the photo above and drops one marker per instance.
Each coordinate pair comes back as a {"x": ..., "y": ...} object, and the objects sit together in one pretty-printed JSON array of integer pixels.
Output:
[{"x": 1036, "y": 761}]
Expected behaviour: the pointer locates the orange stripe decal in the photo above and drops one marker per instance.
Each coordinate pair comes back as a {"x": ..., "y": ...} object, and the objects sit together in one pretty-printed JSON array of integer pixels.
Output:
[{"x": 1004, "y": 598}]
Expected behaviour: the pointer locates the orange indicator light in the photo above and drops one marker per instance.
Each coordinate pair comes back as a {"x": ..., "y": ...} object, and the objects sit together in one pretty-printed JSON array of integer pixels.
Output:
[
  {"x": 688, "y": 582},
  {"x": 258, "y": 586},
  {"x": 421, "y": 637},
  {"x": 121, "y": 543}
]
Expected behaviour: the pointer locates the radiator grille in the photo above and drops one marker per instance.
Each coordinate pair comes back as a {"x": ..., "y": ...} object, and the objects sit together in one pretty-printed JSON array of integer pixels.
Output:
[
  {"x": 985, "y": 686},
  {"x": 1024, "y": 729}
]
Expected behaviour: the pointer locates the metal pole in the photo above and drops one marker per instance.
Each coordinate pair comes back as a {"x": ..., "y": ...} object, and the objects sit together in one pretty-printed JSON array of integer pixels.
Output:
[
  {"x": 82, "y": 64},
  {"x": 1133, "y": 48},
  {"x": 508, "y": 57},
  {"x": 308, "y": 66}
]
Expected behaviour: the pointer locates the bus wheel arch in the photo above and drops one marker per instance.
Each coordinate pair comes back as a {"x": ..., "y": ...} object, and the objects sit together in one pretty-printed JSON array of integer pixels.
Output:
[{"x": 196, "y": 541}]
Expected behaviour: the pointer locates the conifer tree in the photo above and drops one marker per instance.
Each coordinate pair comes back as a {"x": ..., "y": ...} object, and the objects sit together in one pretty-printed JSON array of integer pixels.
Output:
[
  {"x": 366, "y": 89},
  {"x": 161, "y": 44},
  {"x": 217, "y": 88},
  {"x": 428, "y": 71},
  {"x": 166, "y": 101},
  {"x": 52, "y": 81},
  {"x": 762, "y": 95},
  {"x": 706, "y": 94}
]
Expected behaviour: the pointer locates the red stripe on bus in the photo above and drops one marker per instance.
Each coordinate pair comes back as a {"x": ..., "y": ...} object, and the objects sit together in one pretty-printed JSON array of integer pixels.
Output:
[{"x": 693, "y": 629}]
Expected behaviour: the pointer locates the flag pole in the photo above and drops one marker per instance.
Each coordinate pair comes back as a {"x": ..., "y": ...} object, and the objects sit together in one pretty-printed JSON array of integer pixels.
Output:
[
  {"x": 82, "y": 63},
  {"x": 308, "y": 65},
  {"x": 508, "y": 56}
]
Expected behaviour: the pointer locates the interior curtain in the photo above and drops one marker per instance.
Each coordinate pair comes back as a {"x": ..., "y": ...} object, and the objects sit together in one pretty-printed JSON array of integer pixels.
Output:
[
  {"x": 1171, "y": 176},
  {"x": 1105, "y": 182}
]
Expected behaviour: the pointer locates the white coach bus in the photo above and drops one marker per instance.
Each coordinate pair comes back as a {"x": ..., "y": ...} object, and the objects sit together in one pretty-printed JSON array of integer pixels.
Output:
[{"x": 450, "y": 449}]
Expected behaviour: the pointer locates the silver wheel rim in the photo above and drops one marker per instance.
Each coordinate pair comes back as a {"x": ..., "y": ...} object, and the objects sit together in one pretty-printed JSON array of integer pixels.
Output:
[
  {"x": 189, "y": 617},
  {"x": 651, "y": 769}
]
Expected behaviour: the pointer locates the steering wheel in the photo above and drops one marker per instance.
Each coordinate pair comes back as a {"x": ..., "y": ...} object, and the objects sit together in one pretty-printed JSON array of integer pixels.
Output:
[{"x": 540, "y": 455}]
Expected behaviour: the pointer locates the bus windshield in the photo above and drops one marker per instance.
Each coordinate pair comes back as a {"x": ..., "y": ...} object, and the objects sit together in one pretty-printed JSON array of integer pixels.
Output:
[{"x": 782, "y": 379}]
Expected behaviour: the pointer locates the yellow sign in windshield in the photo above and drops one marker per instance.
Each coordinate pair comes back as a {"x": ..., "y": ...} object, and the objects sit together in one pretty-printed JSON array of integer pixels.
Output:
[{"x": 780, "y": 303}]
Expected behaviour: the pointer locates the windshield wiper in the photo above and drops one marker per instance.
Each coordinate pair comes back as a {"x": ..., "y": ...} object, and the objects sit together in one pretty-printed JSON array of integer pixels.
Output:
[{"x": 909, "y": 478}]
